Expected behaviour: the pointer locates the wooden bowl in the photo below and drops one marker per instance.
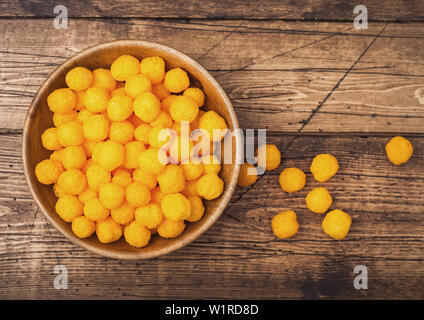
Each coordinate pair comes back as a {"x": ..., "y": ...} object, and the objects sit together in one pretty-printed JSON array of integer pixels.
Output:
[{"x": 39, "y": 118}]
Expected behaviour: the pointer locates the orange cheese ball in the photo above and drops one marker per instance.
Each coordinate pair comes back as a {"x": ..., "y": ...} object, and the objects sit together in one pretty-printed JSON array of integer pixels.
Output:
[
  {"x": 79, "y": 78},
  {"x": 192, "y": 170},
  {"x": 108, "y": 231},
  {"x": 80, "y": 100},
  {"x": 176, "y": 80},
  {"x": 183, "y": 109},
  {"x": 137, "y": 194},
  {"x": 87, "y": 195},
  {"x": 196, "y": 94},
  {"x": 122, "y": 177},
  {"x": 158, "y": 136},
  {"x": 167, "y": 102},
  {"x": 150, "y": 216},
  {"x": 214, "y": 125},
  {"x": 96, "y": 128},
  {"x": 211, "y": 164},
  {"x": 103, "y": 79},
  {"x": 248, "y": 175},
  {"x": 337, "y": 224},
  {"x": 269, "y": 157},
  {"x": 97, "y": 176},
  {"x": 190, "y": 188},
  {"x": 171, "y": 180},
  {"x": 153, "y": 68},
  {"x": 285, "y": 225},
  {"x": 141, "y": 133},
  {"x": 124, "y": 67},
  {"x": 292, "y": 180},
  {"x": 73, "y": 157},
  {"x": 70, "y": 134},
  {"x": 62, "y": 100},
  {"x": 156, "y": 195},
  {"x": 210, "y": 186},
  {"x": 123, "y": 214},
  {"x": 111, "y": 195},
  {"x": 137, "y": 235},
  {"x": 176, "y": 207},
  {"x": 146, "y": 106},
  {"x": 171, "y": 229},
  {"x": 84, "y": 114},
  {"x": 162, "y": 120},
  {"x": 197, "y": 209},
  {"x": 137, "y": 84},
  {"x": 72, "y": 181},
  {"x": 68, "y": 207},
  {"x": 149, "y": 161},
  {"x": 96, "y": 99},
  {"x": 160, "y": 91},
  {"x": 399, "y": 150},
  {"x": 83, "y": 227},
  {"x": 49, "y": 139},
  {"x": 121, "y": 131},
  {"x": 319, "y": 200},
  {"x": 95, "y": 210},
  {"x": 48, "y": 171},
  {"x": 110, "y": 155},
  {"x": 149, "y": 180},
  {"x": 324, "y": 166},
  {"x": 133, "y": 150},
  {"x": 61, "y": 118},
  {"x": 119, "y": 108}
]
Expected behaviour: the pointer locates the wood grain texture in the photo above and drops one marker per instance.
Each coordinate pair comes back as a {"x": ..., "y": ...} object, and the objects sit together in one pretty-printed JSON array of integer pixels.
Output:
[{"x": 387, "y": 10}]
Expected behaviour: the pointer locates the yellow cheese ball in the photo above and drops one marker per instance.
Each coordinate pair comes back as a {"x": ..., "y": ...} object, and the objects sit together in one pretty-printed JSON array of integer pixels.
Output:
[
  {"x": 197, "y": 209},
  {"x": 87, "y": 195},
  {"x": 269, "y": 157},
  {"x": 110, "y": 155},
  {"x": 171, "y": 229},
  {"x": 133, "y": 151},
  {"x": 190, "y": 188},
  {"x": 211, "y": 164},
  {"x": 192, "y": 170},
  {"x": 119, "y": 108},
  {"x": 50, "y": 140},
  {"x": 122, "y": 177},
  {"x": 292, "y": 180},
  {"x": 108, "y": 231},
  {"x": 79, "y": 78},
  {"x": 210, "y": 186},
  {"x": 284, "y": 224},
  {"x": 196, "y": 94},
  {"x": 157, "y": 196},
  {"x": 137, "y": 235},
  {"x": 162, "y": 120},
  {"x": 48, "y": 171},
  {"x": 84, "y": 114},
  {"x": 73, "y": 157},
  {"x": 319, "y": 200},
  {"x": 149, "y": 180},
  {"x": 167, "y": 102},
  {"x": 171, "y": 180},
  {"x": 214, "y": 125},
  {"x": 82, "y": 227},
  {"x": 248, "y": 175},
  {"x": 141, "y": 133},
  {"x": 95, "y": 210},
  {"x": 97, "y": 176},
  {"x": 153, "y": 68},
  {"x": 149, "y": 161},
  {"x": 137, "y": 84},
  {"x": 68, "y": 207},
  {"x": 96, "y": 128},
  {"x": 183, "y": 109},
  {"x": 176, "y": 80},
  {"x": 158, "y": 136},
  {"x": 176, "y": 207},
  {"x": 160, "y": 91},
  {"x": 324, "y": 166},
  {"x": 96, "y": 99},
  {"x": 150, "y": 216},
  {"x": 337, "y": 224},
  {"x": 70, "y": 134},
  {"x": 111, "y": 195},
  {"x": 62, "y": 100},
  {"x": 124, "y": 67},
  {"x": 103, "y": 79},
  {"x": 61, "y": 118},
  {"x": 146, "y": 106},
  {"x": 72, "y": 181},
  {"x": 121, "y": 131},
  {"x": 399, "y": 150},
  {"x": 123, "y": 214},
  {"x": 137, "y": 194}
]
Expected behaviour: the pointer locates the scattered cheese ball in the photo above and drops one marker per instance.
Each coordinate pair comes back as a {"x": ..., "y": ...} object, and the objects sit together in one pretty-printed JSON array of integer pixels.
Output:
[
  {"x": 96, "y": 99},
  {"x": 95, "y": 210},
  {"x": 50, "y": 140},
  {"x": 97, "y": 176},
  {"x": 119, "y": 108},
  {"x": 123, "y": 214},
  {"x": 137, "y": 235},
  {"x": 171, "y": 180},
  {"x": 122, "y": 177},
  {"x": 124, "y": 67},
  {"x": 337, "y": 224},
  {"x": 196, "y": 94},
  {"x": 149, "y": 161},
  {"x": 160, "y": 91},
  {"x": 108, "y": 231},
  {"x": 197, "y": 208},
  {"x": 184, "y": 108},
  {"x": 110, "y": 155},
  {"x": 70, "y": 134},
  {"x": 192, "y": 170},
  {"x": 211, "y": 164},
  {"x": 137, "y": 194},
  {"x": 82, "y": 227},
  {"x": 149, "y": 180},
  {"x": 62, "y": 100},
  {"x": 210, "y": 186},
  {"x": 121, "y": 131},
  {"x": 68, "y": 207},
  {"x": 214, "y": 125},
  {"x": 319, "y": 200},
  {"x": 87, "y": 195},
  {"x": 111, "y": 195},
  {"x": 285, "y": 225},
  {"x": 72, "y": 181},
  {"x": 103, "y": 78},
  {"x": 141, "y": 133},
  {"x": 96, "y": 128},
  {"x": 246, "y": 177},
  {"x": 399, "y": 150},
  {"x": 73, "y": 157},
  {"x": 170, "y": 228},
  {"x": 324, "y": 166},
  {"x": 150, "y": 216},
  {"x": 176, "y": 207},
  {"x": 61, "y": 118},
  {"x": 48, "y": 171},
  {"x": 79, "y": 78},
  {"x": 133, "y": 150},
  {"x": 153, "y": 68},
  {"x": 137, "y": 84},
  {"x": 176, "y": 80},
  {"x": 292, "y": 180},
  {"x": 269, "y": 157},
  {"x": 190, "y": 188},
  {"x": 162, "y": 120},
  {"x": 146, "y": 106}
]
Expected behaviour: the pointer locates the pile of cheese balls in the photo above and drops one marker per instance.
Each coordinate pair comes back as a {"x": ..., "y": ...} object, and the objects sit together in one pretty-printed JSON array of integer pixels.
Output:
[{"x": 105, "y": 167}]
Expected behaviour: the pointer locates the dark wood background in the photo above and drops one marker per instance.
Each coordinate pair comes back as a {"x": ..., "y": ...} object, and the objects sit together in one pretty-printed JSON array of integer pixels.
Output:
[{"x": 299, "y": 69}]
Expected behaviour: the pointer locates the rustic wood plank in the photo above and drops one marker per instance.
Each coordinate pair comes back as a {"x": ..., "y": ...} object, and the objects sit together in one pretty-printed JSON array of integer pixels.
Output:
[{"x": 386, "y": 10}]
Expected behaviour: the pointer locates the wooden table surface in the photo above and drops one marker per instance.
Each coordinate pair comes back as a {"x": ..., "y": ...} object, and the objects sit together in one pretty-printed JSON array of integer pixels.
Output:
[{"x": 297, "y": 68}]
